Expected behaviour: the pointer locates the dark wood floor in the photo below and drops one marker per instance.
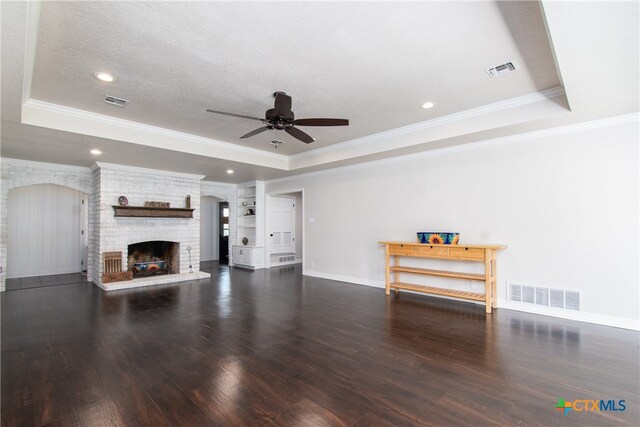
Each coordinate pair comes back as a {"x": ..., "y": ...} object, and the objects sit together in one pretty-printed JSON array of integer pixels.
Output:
[
  {"x": 42, "y": 281},
  {"x": 274, "y": 348}
]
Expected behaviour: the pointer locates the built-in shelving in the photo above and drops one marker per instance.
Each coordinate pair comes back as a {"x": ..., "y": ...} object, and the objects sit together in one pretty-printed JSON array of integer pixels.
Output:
[{"x": 250, "y": 227}]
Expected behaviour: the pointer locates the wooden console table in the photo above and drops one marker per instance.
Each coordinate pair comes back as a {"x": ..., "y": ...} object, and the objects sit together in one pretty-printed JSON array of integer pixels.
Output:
[{"x": 477, "y": 253}]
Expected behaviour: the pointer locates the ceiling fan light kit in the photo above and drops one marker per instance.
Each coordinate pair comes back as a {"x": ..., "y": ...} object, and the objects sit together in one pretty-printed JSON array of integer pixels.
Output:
[{"x": 281, "y": 117}]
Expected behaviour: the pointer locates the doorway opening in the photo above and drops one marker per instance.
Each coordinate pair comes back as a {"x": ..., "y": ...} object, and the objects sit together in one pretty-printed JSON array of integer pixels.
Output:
[
  {"x": 223, "y": 232},
  {"x": 284, "y": 228}
]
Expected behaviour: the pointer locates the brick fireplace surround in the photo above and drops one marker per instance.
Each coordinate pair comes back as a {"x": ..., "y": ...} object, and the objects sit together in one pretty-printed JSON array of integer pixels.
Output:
[{"x": 108, "y": 233}]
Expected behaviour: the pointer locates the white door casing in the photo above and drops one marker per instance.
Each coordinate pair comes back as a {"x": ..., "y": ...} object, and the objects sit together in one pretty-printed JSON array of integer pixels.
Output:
[{"x": 281, "y": 227}]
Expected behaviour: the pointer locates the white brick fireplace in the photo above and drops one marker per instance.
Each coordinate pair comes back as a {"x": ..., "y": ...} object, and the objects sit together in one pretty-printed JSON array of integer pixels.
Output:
[{"x": 108, "y": 233}]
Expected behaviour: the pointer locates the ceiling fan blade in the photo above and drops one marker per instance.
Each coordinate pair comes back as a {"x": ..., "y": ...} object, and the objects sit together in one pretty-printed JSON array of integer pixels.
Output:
[
  {"x": 282, "y": 104},
  {"x": 255, "y": 132},
  {"x": 298, "y": 134},
  {"x": 321, "y": 122},
  {"x": 235, "y": 115}
]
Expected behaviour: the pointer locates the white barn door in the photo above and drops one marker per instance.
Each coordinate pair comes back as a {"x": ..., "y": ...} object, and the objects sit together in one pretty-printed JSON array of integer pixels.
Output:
[
  {"x": 46, "y": 231},
  {"x": 282, "y": 223}
]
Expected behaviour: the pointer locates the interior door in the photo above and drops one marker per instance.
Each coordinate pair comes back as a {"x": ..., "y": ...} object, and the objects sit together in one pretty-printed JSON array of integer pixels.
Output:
[{"x": 282, "y": 223}]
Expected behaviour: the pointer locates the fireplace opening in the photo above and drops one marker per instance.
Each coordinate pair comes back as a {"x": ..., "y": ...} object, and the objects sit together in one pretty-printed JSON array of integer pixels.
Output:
[{"x": 155, "y": 257}]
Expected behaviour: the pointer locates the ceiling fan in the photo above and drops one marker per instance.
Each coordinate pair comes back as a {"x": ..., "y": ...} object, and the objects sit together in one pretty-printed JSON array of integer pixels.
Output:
[{"x": 281, "y": 117}]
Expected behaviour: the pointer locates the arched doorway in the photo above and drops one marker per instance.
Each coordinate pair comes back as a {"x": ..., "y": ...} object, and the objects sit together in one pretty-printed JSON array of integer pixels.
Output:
[{"x": 47, "y": 234}]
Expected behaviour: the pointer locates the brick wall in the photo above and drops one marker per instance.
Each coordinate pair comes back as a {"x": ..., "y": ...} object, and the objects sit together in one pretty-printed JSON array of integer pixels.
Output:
[{"x": 139, "y": 185}]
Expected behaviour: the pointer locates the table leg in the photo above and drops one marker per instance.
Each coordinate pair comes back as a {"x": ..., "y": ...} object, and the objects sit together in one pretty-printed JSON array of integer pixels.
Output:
[
  {"x": 487, "y": 281},
  {"x": 387, "y": 289}
]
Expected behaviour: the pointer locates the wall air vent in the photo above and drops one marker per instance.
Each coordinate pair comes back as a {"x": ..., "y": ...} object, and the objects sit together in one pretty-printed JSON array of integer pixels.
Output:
[
  {"x": 548, "y": 297},
  {"x": 115, "y": 101},
  {"x": 286, "y": 258},
  {"x": 501, "y": 69}
]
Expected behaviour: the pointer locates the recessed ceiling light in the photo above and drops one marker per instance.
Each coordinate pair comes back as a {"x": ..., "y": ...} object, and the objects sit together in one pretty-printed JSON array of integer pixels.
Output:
[
  {"x": 427, "y": 105},
  {"x": 105, "y": 77},
  {"x": 95, "y": 152},
  {"x": 229, "y": 171}
]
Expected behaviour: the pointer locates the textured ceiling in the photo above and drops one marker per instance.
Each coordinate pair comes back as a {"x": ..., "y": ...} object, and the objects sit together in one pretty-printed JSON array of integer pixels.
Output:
[{"x": 373, "y": 63}]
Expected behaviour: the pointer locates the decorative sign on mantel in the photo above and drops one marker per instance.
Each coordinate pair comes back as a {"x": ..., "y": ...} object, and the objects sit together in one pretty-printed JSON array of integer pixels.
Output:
[{"x": 157, "y": 204}]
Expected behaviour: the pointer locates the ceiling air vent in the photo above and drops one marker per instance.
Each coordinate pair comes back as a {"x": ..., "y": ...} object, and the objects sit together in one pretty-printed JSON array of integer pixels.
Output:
[
  {"x": 501, "y": 69},
  {"x": 115, "y": 101}
]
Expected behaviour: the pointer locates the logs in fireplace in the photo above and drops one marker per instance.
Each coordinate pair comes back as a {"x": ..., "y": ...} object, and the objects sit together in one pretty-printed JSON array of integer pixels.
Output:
[{"x": 154, "y": 257}]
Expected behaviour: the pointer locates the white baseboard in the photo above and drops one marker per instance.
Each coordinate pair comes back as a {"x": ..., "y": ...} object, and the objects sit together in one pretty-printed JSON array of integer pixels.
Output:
[
  {"x": 348, "y": 279},
  {"x": 600, "y": 319},
  {"x": 580, "y": 316}
]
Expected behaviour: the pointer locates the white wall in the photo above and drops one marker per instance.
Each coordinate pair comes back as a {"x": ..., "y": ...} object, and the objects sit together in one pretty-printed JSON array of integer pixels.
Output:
[
  {"x": 209, "y": 225},
  {"x": 565, "y": 204}
]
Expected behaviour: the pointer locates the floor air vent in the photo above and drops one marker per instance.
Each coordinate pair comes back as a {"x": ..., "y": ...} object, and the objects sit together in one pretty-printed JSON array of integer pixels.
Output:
[{"x": 548, "y": 297}]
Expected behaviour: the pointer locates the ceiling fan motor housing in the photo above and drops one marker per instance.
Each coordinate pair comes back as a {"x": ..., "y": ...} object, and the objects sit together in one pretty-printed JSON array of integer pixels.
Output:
[{"x": 270, "y": 115}]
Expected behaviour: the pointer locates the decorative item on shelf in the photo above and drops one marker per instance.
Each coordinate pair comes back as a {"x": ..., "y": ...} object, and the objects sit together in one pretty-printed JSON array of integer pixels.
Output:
[
  {"x": 250, "y": 212},
  {"x": 151, "y": 204},
  {"x": 123, "y": 201},
  {"x": 245, "y": 241},
  {"x": 245, "y": 204},
  {"x": 438, "y": 237},
  {"x": 254, "y": 203},
  {"x": 188, "y": 201}
]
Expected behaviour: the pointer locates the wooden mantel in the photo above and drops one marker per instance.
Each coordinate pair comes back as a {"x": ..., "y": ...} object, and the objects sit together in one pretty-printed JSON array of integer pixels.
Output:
[{"x": 148, "y": 212}]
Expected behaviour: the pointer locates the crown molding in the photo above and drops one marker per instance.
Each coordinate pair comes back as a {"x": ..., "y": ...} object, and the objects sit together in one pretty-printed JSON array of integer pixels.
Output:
[
  {"x": 64, "y": 118},
  {"x": 559, "y": 130},
  {"x": 438, "y": 121},
  {"x": 30, "y": 42},
  {"x": 136, "y": 169},
  {"x": 54, "y": 116}
]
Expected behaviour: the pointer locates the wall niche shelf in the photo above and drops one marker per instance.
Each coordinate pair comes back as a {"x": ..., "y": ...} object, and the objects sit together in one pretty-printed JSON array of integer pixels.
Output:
[{"x": 148, "y": 212}]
